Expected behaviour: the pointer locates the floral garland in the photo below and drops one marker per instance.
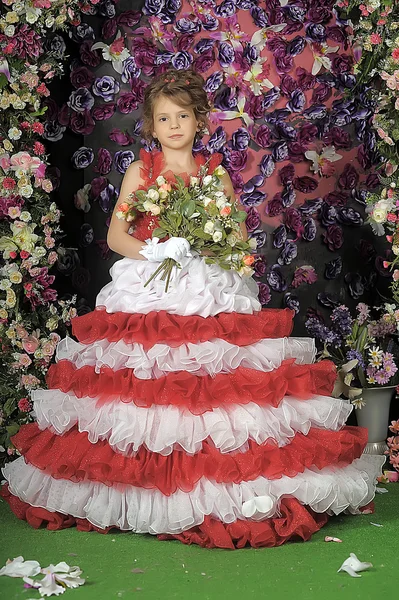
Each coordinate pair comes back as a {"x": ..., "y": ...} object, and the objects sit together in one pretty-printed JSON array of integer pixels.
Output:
[{"x": 31, "y": 314}]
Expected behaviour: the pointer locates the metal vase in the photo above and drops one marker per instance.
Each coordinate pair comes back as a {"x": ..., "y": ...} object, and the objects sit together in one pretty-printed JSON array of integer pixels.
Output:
[{"x": 375, "y": 416}]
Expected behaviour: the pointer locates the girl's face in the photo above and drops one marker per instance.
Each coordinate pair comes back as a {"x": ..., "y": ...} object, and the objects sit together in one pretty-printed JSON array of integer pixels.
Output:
[{"x": 174, "y": 126}]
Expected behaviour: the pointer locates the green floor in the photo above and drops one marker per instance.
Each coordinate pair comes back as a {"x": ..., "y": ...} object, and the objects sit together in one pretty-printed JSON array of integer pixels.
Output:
[{"x": 298, "y": 571}]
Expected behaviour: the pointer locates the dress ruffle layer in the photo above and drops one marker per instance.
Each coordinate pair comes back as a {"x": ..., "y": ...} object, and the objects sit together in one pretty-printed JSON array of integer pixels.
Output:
[
  {"x": 174, "y": 330},
  {"x": 332, "y": 490},
  {"x": 163, "y": 429},
  {"x": 72, "y": 456},
  {"x": 195, "y": 289},
  {"x": 295, "y": 523},
  {"x": 204, "y": 358},
  {"x": 197, "y": 394}
]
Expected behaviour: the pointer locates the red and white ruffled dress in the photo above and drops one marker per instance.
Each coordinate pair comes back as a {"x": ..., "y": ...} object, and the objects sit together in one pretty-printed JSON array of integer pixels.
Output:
[{"x": 189, "y": 414}]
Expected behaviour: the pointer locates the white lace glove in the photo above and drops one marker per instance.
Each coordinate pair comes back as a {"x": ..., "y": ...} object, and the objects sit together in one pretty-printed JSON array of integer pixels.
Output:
[{"x": 175, "y": 247}]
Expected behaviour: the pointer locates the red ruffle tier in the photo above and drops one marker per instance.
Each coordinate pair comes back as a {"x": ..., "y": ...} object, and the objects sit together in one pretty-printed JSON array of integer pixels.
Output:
[
  {"x": 71, "y": 456},
  {"x": 295, "y": 523},
  {"x": 195, "y": 393},
  {"x": 162, "y": 327}
]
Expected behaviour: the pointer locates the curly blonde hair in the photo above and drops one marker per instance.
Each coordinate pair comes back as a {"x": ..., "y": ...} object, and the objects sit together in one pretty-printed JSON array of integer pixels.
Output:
[{"x": 184, "y": 87}]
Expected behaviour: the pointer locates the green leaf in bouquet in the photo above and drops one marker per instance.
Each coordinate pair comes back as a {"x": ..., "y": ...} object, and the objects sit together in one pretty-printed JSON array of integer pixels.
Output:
[
  {"x": 9, "y": 406},
  {"x": 141, "y": 195},
  {"x": 159, "y": 233},
  {"x": 189, "y": 208},
  {"x": 12, "y": 429},
  {"x": 239, "y": 216},
  {"x": 198, "y": 232}
]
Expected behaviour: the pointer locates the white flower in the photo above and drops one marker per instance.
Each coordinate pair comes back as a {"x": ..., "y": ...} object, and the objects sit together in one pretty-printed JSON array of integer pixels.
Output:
[
  {"x": 14, "y": 133},
  {"x": 217, "y": 236},
  {"x": 160, "y": 180},
  {"x": 194, "y": 180},
  {"x": 319, "y": 160},
  {"x": 153, "y": 195},
  {"x": 219, "y": 171},
  {"x": 375, "y": 352},
  {"x": 207, "y": 200},
  {"x": 9, "y": 30},
  {"x": 26, "y": 191},
  {"x": 5, "y": 284},
  {"x": 209, "y": 227},
  {"x": 32, "y": 14},
  {"x": 245, "y": 271},
  {"x": 207, "y": 179},
  {"x": 49, "y": 22},
  {"x": 151, "y": 207},
  {"x": 25, "y": 216},
  {"x": 358, "y": 403},
  {"x": 252, "y": 243},
  {"x": 221, "y": 202},
  {"x": 20, "y": 568},
  {"x": 81, "y": 199},
  {"x": 353, "y": 565}
]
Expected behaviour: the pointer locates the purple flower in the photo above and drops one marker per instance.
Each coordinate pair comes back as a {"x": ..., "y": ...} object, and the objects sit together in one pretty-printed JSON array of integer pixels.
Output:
[
  {"x": 106, "y": 197},
  {"x": 225, "y": 99},
  {"x": 213, "y": 82},
  {"x": 109, "y": 29},
  {"x": 291, "y": 301},
  {"x": 130, "y": 70},
  {"x": 227, "y": 8},
  {"x": 288, "y": 196},
  {"x": 284, "y": 64},
  {"x": 286, "y": 174},
  {"x": 285, "y": 131},
  {"x": 204, "y": 45},
  {"x": 240, "y": 139},
  {"x": 280, "y": 151},
  {"x": 153, "y": 7},
  {"x": 288, "y": 253},
  {"x": 253, "y": 198},
  {"x": 122, "y": 138},
  {"x": 80, "y": 100},
  {"x": 260, "y": 266},
  {"x": 237, "y": 160},
  {"x": 328, "y": 215},
  {"x": 350, "y": 216},
  {"x": 209, "y": 22},
  {"x": 53, "y": 131},
  {"x": 81, "y": 32},
  {"x": 333, "y": 268},
  {"x": 274, "y": 206},
  {"x": 296, "y": 46},
  {"x": 316, "y": 32},
  {"x": 305, "y": 184},
  {"x": 309, "y": 229},
  {"x": 259, "y": 17},
  {"x": 333, "y": 237},
  {"x": 263, "y": 293},
  {"x": 269, "y": 98},
  {"x": 335, "y": 136},
  {"x": 262, "y": 136},
  {"x": 267, "y": 166},
  {"x": 185, "y": 25},
  {"x": 82, "y": 157},
  {"x": 293, "y": 220},
  {"x": 336, "y": 199},
  {"x": 82, "y": 123},
  {"x": 337, "y": 34},
  {"x": 304, "y": 274},
  {"x": 182, "y": 60},
  {"x": 306, "y": 81},
  {"x": 89, "y": 57},
  {"x": 104, "y": 161},
  {"x": 81, "y": 77},
  {"x": 97, "y": 186},
  {"x": 316, "y": 112},
  {"x": 86, "y": 235},
  {"x": 356, "y": 355},
  {"x": 106, "y": 8},
  {"x": 103, "y": 112},
  {"x": 288, "y": 85},
  {"x": 321, "y": 93},
  {"x": 106, "y": 87},
  {"x": 260, "y": 237},
  {"x": 122, "y": 160},
  {"x": 276, "y": 279},
  {"x": 309, "y": 207},
  {"x": 184, "y": 43},
  {"x": 349, "y": 178},
  {"x": 341, "y": 63},
  {"x": 226, "y": 54},
  {"x": 342, "y": 320},
  {"x": 253, "y": 220},
  {"x": 56, "y": 46},
  {"x": 217, "y": 140},
  {"x": 296, "y": 152},
  {"x": 127, "y": 103},
  {"x": 319, "y": 14},
  {"x": 204, "y": 62},
  {"x": 144, "y": 53},
  {"x": 297, "y": 101},
  {"x": 279, "y": 236},
  {"x": 318, "y": 330},
  {"x": 277, "y": 46},
  {"x": 307, "y": 133}
]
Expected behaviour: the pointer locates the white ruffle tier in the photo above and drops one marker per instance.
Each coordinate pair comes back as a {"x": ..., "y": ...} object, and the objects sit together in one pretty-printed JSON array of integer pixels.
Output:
[
  {"x": 164, "y": 428},
  {"x": 197, "y": 289},
  {"x": 332, "y": 490},
  {"x": 205, "y": 358}
]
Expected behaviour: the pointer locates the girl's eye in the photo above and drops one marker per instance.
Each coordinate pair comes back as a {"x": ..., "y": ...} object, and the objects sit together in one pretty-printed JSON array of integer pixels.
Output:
[{"x": 162, "y": 119}]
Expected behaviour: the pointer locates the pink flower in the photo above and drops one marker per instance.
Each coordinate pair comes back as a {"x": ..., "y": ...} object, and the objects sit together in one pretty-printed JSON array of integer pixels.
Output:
[
  {"x": 24, "y": 360},
  {"x": 225, "y": 211},
  {"x": 38, "y": 148},
  {"x": 9, "y": 183},
  {"x": 48, "y": 349},
  {"x": 395, "y": 54},
  {"x": 25, "y": 162},
  {"x": 43, "y": 90},
  {"x": 375, "y": 38},
  {"x": 30, "y": 344},
  {"x": 5, "y": 162},
  {"x": 39, "y": 173}
]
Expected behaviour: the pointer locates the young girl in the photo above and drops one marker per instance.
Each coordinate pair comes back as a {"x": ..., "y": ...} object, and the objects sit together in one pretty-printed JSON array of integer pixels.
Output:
[{"x": 188, "y": 414}]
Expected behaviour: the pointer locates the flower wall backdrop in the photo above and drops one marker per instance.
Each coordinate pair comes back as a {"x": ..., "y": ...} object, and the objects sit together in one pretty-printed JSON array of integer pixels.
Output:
[{"x": 294, "y": 130}]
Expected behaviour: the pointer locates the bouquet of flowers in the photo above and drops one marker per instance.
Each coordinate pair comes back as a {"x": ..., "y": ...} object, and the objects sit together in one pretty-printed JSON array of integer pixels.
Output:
[
  {"x": 199, "y": 212},
  {"x": 393, "y": 448},
  {"x": 360, "y": 347}
]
